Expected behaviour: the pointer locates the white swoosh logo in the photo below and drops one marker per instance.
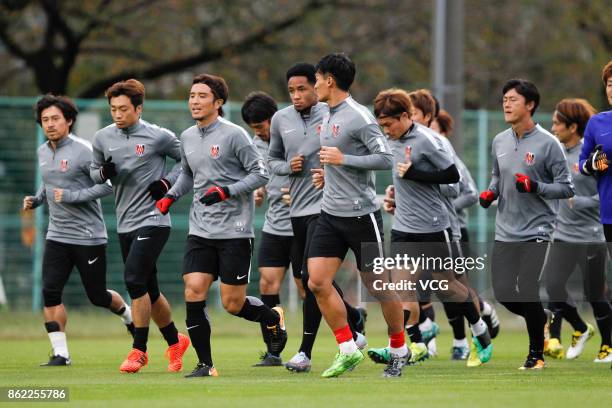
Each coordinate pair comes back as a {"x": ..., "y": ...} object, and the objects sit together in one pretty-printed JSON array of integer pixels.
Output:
[
  {"x": 502, "y": 155},
  {"x": 240, "y": 277},
  {"x": 288, "y": 130},
  {"x": 91, "y": 261},
  {"x": 112, "y": 149},
  {"x": 142, "y": 238},
  {"x": 191, "y": 327},
  {"x": 187, "y": 154}
]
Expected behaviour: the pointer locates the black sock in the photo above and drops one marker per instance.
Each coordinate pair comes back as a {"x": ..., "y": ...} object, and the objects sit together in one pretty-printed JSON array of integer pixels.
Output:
[
  {"x": 570, "y": 313},
  {"x": 557, "y": 322},
  {"x": 406, "y": 317},
  {"x": 535, "y": 319},
  {"x": 455, "y": 319},
  {"x": 311, "y": 321},
  {"x": 254, "y": 310},
  {"x": 170, "y": 333},
  {"x": 468, "y": 309},
  {"x": 52, "y": 326},
  {"x": 427, "y": 312},
  {"x": 514, "y": 307},
  {"x": 414, "y": 333},
  {"x": 603, "y": 316},
  {"x": 271, "y": 300},
  {"x": 141, "y": 335},
  {"x": 198, "y": 327},
  {"x": 480, "y": 303}
]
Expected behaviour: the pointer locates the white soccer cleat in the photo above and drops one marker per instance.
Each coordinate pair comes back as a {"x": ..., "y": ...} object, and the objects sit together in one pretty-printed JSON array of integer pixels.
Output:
[
  {"x": 578, "y": 342},
  {"x": 299, "y": 363},
  {"x": 432, "y": 348},
  {"x": 604, "y": 355}
]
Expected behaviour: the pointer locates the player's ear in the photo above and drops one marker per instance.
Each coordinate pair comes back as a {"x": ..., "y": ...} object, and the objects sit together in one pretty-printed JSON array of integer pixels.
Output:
[
  {"x": 573, "y": 128},
  {"x": 139, "y": 109}
]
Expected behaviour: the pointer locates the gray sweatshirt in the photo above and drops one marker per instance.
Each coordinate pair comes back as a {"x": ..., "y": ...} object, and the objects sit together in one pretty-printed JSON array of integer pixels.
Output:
[
  {"x": 420, "y": 207},
  {"x": 139, "y": 153},
  {"x": 350, "y": 187},
  {"x": 580, "y": 223},
  {"x": 293, "y": 133},
  {"x": 220, "y": 154},
  {"x": 468, "y": 193},
  {"x": 78, "y": 218},
  {"x": 539, "y": 155},
  {"x": 277, "y": 220}
]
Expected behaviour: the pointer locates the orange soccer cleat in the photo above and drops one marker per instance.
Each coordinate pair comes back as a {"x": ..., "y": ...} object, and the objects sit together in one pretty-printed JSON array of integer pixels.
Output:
[
  {"x": 175, "y": 352},
  {"x": 135, "y": 360}
]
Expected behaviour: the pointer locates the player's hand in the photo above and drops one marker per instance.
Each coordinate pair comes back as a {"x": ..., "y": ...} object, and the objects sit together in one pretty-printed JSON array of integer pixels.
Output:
[
  {"x": 597, "y": 161},
  {"x": 286, "y": 197},
  {"x": 164, "y": 204},
  {"x": 108, "y": 169},
  {"x": 402, "y": 168},
  {"x": 486, "y": 198},
  {"x": 259, "y": 196},
  {"x": 58, "y": 194},
  {"x": 570, "y": 203},
  {"x": 159, "y": 188},
  {"x": 297, "y": 163},
  {"x": 215, "y": 195},
  {"x": 28, "y": 203},
  {"x": 331, "y": 155},
  {"x": 389, "y": 200},
  {"x": 524, "y": 184},
  {"x": 318, "y": 178}
]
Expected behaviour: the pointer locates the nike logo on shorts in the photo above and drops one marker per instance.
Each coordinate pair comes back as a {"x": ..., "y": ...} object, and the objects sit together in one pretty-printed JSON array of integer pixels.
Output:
[
  {"x": 241, "y": 277},
  {"x": 192, "y": 327},
  {"x": 139, "y": 238},
  {"x": 91, "y": 261},
  {"x": 112, "y": 149}
]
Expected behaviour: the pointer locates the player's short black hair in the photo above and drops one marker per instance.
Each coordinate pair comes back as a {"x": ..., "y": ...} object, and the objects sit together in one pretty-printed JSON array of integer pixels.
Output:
[
  {"x": 526, "y": 89},
  {"x": 302, "y": 69},
  {"x": 217, "y": 85},
  {"x": 63, "y": 103},
  {"x": 258, "y": 107},
  {"x": 340, "y": 66}
]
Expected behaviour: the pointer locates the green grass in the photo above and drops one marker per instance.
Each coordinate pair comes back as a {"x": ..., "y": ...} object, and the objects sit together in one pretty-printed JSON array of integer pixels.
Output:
[{"x": 98, "y": 344}]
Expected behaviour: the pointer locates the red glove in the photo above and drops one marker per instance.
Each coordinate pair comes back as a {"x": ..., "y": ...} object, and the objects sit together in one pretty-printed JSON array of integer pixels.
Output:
[
  {"x": 486, "y": 198},
  {"x": 214, "y": 195},
  {"x": 164, "y": 204},
  {"x": 524, "y": 184}
]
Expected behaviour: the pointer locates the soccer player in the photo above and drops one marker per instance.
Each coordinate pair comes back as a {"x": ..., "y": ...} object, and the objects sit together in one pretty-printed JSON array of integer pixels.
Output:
[
  {"x": 277, "y": 249},
  {"x": 294, "y": 152},
  {"x": 76, "y": 235},
  {"x": 423, "y": 163},
  {"x": 578, "y": 241},
  {"x": 221, "y": 165},
  {"x": 530, "y": 174},
  {"x": 132, "y": 153},
  {"x": 352, "y": 146}
]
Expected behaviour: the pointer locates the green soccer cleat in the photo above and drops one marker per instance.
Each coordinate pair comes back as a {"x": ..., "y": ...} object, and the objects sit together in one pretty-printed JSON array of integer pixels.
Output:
[
  {"x": 484, "y": 353},
  {"x": 343, "y": 363},
  {"x": 419, "y": 352},
  {"x": 428, "y": 335},
  {"x": 380, "y": 355}
]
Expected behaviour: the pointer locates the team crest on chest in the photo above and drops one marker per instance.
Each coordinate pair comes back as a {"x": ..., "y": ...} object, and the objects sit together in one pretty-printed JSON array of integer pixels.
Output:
[
  {"x": 335, "y": 130},
  {"x": 215, "y": 151},
  {"x": 576, "y": 168},
  {"x": 319, "y": 129},
  {"x": 140, "y": 150},
  {"x": 64, "y": 165},
  {"x": 530, "y": 159}
]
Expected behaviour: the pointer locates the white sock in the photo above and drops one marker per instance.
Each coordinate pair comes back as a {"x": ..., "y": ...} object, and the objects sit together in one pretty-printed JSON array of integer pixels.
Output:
[
  {"x": 478, "y": 328},
  {"x": 348, "y": 347},
  {"x": 399, "y": 351},
  {"x": 59, "y": 344},
  {"x": 460, "y": 343},
  {"x": 486, "y": 308},
  {"x": 426, "y": 325},
  {"x": 126, "y": 316}
]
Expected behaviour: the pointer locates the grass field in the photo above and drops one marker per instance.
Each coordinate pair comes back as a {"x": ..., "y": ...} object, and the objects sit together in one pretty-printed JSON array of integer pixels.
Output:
[{"x": 98, "y": 344}]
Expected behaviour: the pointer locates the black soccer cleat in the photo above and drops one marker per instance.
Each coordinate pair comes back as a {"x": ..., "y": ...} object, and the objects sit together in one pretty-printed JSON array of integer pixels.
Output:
[
  {"x": 277, "y": 333},
  {"x": 360, "y": 325},
  {"x": 203, "y": 370},
  {"x": 57, "y": 360},
  {"x": 268, "y": 360}
]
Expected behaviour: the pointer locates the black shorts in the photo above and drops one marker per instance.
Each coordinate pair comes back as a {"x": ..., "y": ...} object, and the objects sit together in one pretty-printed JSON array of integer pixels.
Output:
[
  {"x": 335, "y": 235},
  {"x": 228, "y": 259},
  {"x": 303, "y": 231},
  {"x": 279, "y": 251},
  {"x": 140, "y": 249},
  {"x": 59, "y": 259},
  {"x": 433, "y": 244}
]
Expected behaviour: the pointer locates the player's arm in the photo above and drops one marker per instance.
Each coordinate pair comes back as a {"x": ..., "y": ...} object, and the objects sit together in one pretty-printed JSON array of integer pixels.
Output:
[
  {"x": 83, "y": 195},
  {"x": 580, "y": 202},
  {"x": 276, "y": 152},
  {"x": 31, "y": 202},
  {"x": 468, "y": 193},
  {"x": 489, "y": 195},
  {"x": 184, "y": 182},
  {"x": 171, "y": 146},
  {"x": 253, "y": 163},
  {"x": 562, "y": 186},
  {"x": 446, "y": 171},
  {"x": 589, "y": 150},
  {"x": 101, "y": 168},
  {"x": 380, "y": 157}
]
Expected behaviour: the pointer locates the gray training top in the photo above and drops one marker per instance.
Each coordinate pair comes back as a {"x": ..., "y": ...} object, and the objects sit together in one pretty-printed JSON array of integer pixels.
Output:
[
  {"x": 293, "y": 133},
  {"x": 78, "y": 218},
  {"x": 539, "y": 155},
  {"x": 468, "y": 194},
  {"x": 350, "y": 189},
  {"x": 139, "y": 153},
  {"x": 420, "y": 207},
  {"x": 277, "y": 220},
  {"x": 220, "y": 154},
  {"x": 580, "y": 223},
  {"x": 451, "y": 191}
]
